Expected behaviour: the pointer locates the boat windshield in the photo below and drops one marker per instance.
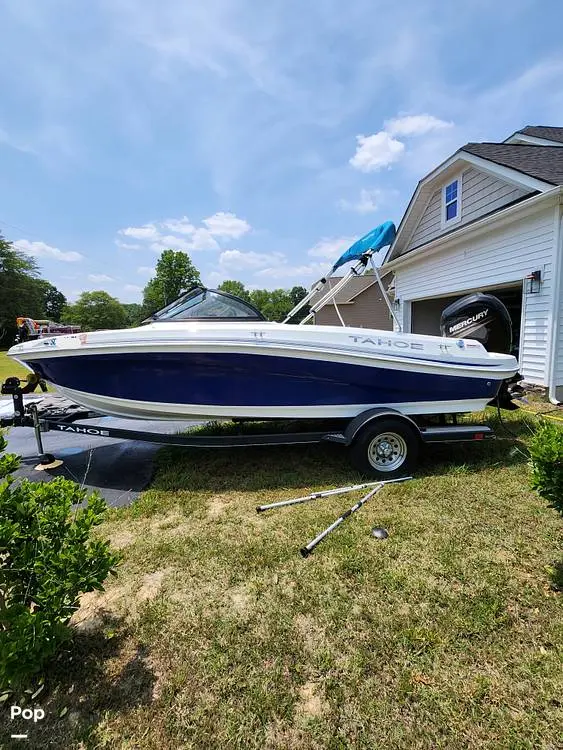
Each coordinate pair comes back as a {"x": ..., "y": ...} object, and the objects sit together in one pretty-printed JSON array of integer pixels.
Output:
[{"x": 207, "y": 304}]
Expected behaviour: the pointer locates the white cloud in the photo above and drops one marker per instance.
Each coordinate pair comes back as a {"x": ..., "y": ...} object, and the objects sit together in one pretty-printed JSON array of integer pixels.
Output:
[
  {"x": 42, "y": 250},
  {"x": 214, "y": 278},
  {"x": 235, "y": 259},
  {"x": 202, "y": 240},
  {"x": 331, "y": 247},
  {"x": 373, "y": 152},
  {"x": 146, "y": 232},
  {"x": 128, "y": 245},
  {"x": 368, "y": 202},
  {"x": 99, "y": 277},
  {"x": 6, "y": 140},
  {"x": 415, "y": 125},
  {"x": 223, "y": 224},
  {"x": 178, "y": 226},
  {"x": 146, "y": 270},
  {"x": 166, "y": 241},
  {"x": 130, "y": 293},
  {"x": 382, "y": 149},
  {"x": 181, "y": 234}
]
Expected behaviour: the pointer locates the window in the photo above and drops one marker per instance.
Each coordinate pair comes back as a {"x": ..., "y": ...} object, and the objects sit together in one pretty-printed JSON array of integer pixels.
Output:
[
  {"x": 206, "y": 304},
  {"x": 450, "y": 200}
]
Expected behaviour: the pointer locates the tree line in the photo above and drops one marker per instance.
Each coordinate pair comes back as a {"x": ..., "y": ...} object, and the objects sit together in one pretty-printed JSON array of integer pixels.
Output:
[{"x": 24, "y": 293}]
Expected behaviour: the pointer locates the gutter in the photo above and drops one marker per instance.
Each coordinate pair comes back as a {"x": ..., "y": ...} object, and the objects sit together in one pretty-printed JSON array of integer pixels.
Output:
[
  {"x": 556, "y": 301},
  {"x": 495, "y": 221}
]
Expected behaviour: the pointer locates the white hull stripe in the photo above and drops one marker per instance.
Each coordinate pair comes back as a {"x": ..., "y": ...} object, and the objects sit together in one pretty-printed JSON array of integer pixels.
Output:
[{"x": 156, "y": 410}]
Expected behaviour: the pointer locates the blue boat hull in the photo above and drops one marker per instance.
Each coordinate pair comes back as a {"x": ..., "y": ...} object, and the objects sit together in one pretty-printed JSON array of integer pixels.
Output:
[{"x": 253, "y": 381}]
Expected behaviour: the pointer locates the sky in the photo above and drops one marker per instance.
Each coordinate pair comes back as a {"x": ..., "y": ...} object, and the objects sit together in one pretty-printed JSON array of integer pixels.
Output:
[{"x": 261, "y": 138}]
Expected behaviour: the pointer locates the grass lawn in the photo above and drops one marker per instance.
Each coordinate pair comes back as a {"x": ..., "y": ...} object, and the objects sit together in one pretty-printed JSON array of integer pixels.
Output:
[
  {"x": 217, "y": 634},
  {"x": 9, "y": 367}
]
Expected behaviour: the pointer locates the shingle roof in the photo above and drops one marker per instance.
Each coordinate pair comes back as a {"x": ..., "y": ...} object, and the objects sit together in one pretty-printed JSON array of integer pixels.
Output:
[
  {"x": 541, "y": 131},
  {"x": 542, "y": 162}
]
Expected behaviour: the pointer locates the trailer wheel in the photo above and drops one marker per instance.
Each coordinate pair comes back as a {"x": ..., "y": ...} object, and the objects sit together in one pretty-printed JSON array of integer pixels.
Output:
[{"x": 385, "y": 449}]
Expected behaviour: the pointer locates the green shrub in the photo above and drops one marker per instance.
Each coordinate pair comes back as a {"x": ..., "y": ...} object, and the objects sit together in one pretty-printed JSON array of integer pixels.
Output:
[
  {"x": 47, "y": 559},
  {"x": 546, "y": 450}
]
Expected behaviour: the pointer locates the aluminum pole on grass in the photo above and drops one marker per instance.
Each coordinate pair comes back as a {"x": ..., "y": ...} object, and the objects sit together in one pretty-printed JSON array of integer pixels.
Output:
[
  {"x": 328, "y": 493},
  {"x": 308, "y": 548}
]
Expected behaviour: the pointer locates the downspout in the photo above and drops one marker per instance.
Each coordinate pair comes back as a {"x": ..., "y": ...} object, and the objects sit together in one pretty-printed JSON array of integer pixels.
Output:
[{"x": 557, "y": 301}]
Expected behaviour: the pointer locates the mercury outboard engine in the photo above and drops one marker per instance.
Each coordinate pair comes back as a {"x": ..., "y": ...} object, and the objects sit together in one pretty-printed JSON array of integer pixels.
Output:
[{"x": 484, "y": 318}]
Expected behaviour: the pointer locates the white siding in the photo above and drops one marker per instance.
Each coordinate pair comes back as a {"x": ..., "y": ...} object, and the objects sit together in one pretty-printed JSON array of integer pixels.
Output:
[
  {"x": 499, "y": 257},
  {"x": 480, "y": 194},
  {"x": 429, "y": 225}
]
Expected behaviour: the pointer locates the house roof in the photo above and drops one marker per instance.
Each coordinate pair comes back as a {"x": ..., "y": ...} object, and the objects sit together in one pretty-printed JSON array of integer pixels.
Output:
[
  {"x": 353, "y": 289},
  {"x": 531, "y": 158},
  {"x": 542, "y": 131},
  {"x": 541, "y": 162}
]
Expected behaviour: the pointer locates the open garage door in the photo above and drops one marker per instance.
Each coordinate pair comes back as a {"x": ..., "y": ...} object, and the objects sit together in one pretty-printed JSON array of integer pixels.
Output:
[{"x": 425, "y": 313}]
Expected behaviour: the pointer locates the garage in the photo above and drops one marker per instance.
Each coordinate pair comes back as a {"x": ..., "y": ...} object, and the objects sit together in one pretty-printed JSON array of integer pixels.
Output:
[{"x": 426, "y": 313}]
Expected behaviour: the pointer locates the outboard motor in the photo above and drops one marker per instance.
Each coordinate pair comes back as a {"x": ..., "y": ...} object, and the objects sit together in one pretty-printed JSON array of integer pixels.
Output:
[
  {"x": 484, "y": 318},
  {"x": 481, "y": 317}
]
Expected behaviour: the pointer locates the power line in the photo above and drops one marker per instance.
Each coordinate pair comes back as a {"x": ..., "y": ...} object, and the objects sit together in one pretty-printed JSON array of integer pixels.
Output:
[{"x": 19, "y": 229}]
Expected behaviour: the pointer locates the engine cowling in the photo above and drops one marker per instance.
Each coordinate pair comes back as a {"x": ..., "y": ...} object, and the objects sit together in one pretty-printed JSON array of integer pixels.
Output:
[
  {"x": 481, "y": 317},
  {"x": 484, "y": 318}
]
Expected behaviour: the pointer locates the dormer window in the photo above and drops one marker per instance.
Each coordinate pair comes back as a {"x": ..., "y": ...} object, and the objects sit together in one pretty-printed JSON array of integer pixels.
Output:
[{"x": 451, "y": 202}]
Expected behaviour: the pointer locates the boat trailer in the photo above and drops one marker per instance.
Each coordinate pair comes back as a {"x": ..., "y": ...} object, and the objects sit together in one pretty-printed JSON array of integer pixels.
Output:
[{"x": 382, "y": 442}]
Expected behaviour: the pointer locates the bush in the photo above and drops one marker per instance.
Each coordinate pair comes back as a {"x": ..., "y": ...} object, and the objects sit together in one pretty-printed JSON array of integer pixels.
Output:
[
  {"x": 47, "y": 559},
  {"x": 546, "y": 450}
]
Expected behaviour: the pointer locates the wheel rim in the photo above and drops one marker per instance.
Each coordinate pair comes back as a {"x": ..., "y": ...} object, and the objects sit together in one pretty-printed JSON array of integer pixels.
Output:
[{"x": 387, "y": 451}]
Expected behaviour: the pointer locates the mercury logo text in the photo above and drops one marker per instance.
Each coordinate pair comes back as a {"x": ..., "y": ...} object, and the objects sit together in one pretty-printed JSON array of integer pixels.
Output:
[{"x": 468, "y": 321}]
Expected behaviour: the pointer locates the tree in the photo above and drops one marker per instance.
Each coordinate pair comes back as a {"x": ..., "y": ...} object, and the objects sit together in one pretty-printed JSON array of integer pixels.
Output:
[
  {"x": 53, "y": 301},
  {"x": 96, "y": 311},
  {"x": 20, "y": 291},
  {"x": 273, "y": 304},
  {"x": 133, "y": 313},
  {"x": 297, "y": 293},
  {"x": 175, "y": 274},
  {"x": 236, "y": 288}
]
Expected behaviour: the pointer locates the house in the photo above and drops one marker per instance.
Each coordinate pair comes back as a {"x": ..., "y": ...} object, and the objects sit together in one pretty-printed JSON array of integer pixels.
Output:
[
  {"x": 360, "y": 303},
  {"x": 490, "y": 219}
]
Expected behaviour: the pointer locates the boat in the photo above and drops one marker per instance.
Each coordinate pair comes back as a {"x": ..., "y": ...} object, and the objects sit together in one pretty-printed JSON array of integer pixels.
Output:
[{"x": 211, "y": 355}]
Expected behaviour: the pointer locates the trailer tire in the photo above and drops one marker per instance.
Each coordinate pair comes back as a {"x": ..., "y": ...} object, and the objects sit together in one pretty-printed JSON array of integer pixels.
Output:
[{"x": 385, "y": 449}]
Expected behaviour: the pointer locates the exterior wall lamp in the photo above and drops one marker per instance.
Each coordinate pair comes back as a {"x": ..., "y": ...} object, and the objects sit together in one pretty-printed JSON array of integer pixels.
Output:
[{"x": 533, "y": 282}]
